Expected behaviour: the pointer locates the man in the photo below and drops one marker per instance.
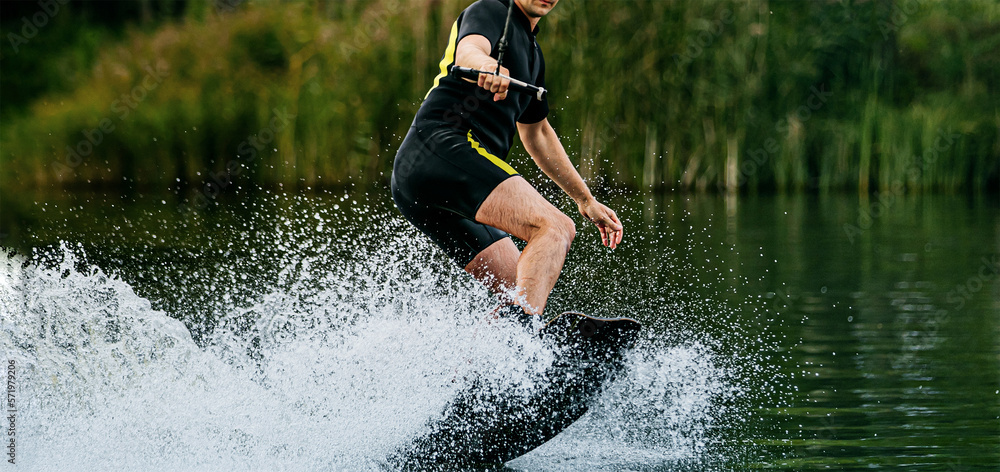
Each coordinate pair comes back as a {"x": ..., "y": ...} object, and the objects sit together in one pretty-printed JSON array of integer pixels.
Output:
[{"x": 451, "y": 181}]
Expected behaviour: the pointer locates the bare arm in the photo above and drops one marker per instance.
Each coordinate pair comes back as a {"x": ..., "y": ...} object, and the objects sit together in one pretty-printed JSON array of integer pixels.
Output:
[{"x": 542, "y": 143}]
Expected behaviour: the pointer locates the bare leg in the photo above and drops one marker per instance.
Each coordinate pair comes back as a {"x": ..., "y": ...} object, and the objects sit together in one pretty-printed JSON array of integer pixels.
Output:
[
  {"x": 496, "y": 268},
  {"x": 517, "y": 208}
]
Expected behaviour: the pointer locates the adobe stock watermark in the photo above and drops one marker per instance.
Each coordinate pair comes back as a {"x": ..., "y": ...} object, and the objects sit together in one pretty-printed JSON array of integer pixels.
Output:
[
  {"x": 365, "y": 34},
  {"x": 30, "y": 26},
  {"x": 608, "y": 134},
  {"x": 756, "y": 158},
  {"x": 781, "y": 298},
  {"x": 962, "y": 293},
  {"x": 884, "y": 201},
  {"x": 696, "y": 45},
  {"x": 900, "y": 15},
  {"x": 122, "y": 107},
  {"x": 10, "y": 408},
  {"x": 246, "y": 153},
  {"x": 931, "y": 322},
  {"x": 227, "y": 6},
  {"x": 458, "y": 115},
  {"x": 827, "y": 427},
  {"x": 926, "y": 334}
]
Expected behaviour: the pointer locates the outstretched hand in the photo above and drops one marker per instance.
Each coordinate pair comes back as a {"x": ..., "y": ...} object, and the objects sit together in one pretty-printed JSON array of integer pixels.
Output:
[{"x": 606, "y": 221}]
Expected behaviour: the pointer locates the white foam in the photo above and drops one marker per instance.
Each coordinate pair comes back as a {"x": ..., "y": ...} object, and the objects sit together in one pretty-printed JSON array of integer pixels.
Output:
[{"x": 335, "y": 379}]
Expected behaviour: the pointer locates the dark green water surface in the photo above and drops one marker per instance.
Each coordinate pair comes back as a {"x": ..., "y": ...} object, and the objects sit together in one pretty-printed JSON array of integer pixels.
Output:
[{"x": 873, "y": 324}]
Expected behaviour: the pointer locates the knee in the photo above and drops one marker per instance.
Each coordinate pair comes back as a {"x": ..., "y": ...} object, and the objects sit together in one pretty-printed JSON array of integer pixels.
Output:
[
  {"x": 570, "y": 228},
  {"x": 564, "y": 227}
]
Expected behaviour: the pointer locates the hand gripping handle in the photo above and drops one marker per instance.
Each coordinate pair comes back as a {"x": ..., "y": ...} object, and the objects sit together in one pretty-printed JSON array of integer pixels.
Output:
[{"x": 515, "y": 85}]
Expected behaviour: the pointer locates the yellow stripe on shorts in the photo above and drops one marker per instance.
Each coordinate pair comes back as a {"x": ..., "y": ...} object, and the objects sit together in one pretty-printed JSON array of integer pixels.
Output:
[{"x": 494, "y": 159}]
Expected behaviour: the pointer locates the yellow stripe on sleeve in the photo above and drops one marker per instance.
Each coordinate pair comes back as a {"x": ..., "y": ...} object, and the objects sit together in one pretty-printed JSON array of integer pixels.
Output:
[
  {"x": 449, "y": 56},
  {"x": 494, "y": 159}
]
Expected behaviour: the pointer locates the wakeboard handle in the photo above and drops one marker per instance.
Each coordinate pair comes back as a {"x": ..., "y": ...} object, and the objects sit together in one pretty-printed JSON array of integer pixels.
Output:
[{"x": 515, "y": 85}]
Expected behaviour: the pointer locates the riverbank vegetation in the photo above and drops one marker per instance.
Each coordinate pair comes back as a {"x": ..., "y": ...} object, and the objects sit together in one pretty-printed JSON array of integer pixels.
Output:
[{"x": 880, "y": 95}]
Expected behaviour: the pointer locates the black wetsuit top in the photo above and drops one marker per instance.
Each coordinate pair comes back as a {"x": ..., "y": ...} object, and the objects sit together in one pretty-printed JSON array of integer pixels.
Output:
[{"x": 463, "y": 105}]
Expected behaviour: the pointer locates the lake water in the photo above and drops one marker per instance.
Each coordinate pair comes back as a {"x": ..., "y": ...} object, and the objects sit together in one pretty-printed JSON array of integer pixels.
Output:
[{"x": 317, "y": 331}]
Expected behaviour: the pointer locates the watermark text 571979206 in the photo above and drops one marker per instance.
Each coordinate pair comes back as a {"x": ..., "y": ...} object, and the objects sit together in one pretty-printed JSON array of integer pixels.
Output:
[{"x": 11, "y": 407}]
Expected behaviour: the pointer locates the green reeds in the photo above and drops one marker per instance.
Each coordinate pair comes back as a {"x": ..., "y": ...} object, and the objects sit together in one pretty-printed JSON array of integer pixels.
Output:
[{"x": 712, "y": 95}]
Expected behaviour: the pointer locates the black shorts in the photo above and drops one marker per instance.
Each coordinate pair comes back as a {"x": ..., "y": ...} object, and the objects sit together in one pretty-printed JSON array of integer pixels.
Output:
[{"x": 440, "y": 177}]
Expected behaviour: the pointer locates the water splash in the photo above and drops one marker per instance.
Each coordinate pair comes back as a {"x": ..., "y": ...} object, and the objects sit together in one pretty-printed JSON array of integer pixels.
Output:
[{"x": 332, "y": 365}]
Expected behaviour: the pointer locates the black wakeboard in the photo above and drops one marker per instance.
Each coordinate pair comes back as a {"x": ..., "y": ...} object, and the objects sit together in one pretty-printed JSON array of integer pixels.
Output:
[{"x": 486, "y": 424}]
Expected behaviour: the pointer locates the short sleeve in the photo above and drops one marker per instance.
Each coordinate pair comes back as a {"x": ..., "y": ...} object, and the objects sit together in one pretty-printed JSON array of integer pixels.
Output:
[
  {"x": 486, "y": 18},
  {"x": 537, "y": 110}
]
